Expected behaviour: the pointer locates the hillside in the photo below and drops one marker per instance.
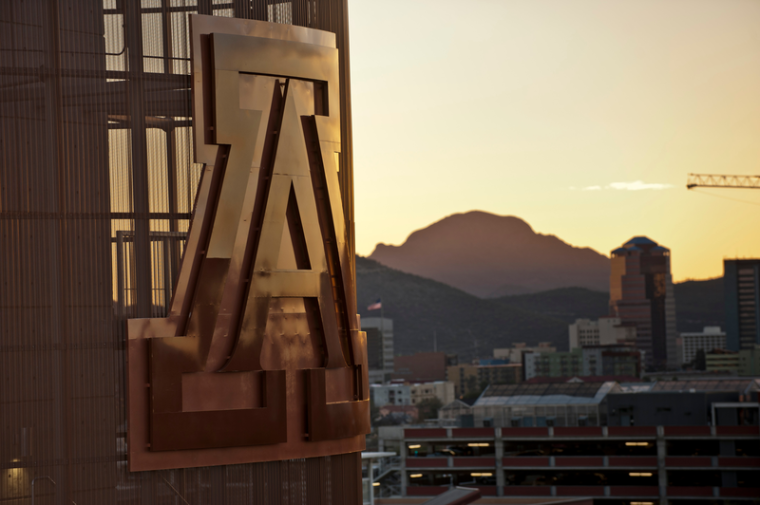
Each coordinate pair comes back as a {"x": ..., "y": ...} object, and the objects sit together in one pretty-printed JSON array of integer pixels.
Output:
[
  {"x": 463, "y": 323},
  {"x": 490, "y": 256},
  {"x": 567, "y": 304},
  {"x": 699, "y": 304}
]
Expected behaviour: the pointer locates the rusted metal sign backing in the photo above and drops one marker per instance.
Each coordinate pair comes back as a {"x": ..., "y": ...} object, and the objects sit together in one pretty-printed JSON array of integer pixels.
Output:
[{"x": 260, "y": 357}]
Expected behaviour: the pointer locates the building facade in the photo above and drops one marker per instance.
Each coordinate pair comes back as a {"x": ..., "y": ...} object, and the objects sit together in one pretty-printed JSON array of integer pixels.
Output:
[
  {"x": 469, "y": 378},
  {"x": 722, "y": 360},
  {"x": 379, "y": 348},
  {"x": 749, "y": 362},
  {"x": 612, "y": 360},
  {"x": 678, "y": 465},
  {"x": 553, "y": 364},
  {"x": 411, "y": 394},
  {"x": 671, "y": 442},
  {"x": 515, "y": 353},
  {"x": 593, "y": 360},
  {"x": 604, "y": 331},
  {"x": 442, "y": 390},
  {"x": 741, "y": 288},
  {"x": 390, "y": 394},
  {"x": 641, "y": 293},
  {"x": 710, "y": 338},
  {"x": 423, "y": 366},
  {"x": 99, "y": 185}
]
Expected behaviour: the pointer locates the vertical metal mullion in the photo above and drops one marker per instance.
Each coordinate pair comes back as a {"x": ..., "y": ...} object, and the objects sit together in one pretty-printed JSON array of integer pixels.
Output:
[
  {"x": 122, "y": 313},
  {"x": 166, "y": 242},
  {"x": 166, "y": 19},
  {"x": 58, "y": 265},
  {"x": 171, "y": 165},
  {"x": 140, "y": 202}
]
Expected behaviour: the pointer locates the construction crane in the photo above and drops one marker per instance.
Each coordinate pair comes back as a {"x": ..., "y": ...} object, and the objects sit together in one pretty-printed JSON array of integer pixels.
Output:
[{"x": 723, "y": 181}]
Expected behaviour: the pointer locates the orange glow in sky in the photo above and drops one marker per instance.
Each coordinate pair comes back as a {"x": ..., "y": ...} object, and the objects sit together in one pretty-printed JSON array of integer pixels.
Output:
[{"x": 582, "y": 117}]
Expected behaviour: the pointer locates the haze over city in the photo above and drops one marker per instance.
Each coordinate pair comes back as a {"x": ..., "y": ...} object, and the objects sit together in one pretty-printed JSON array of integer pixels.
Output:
[{"x": 582, "y": 118}]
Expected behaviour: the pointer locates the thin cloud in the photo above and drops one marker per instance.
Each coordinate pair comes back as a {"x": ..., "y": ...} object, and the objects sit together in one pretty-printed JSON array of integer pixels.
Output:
[
  {"x": 638, "y": 186},
  {"x": 626, "y": 186}
]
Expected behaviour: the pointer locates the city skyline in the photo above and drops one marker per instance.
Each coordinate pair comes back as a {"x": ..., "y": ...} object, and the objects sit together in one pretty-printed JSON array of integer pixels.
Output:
[{"x": 582, "y": 118}]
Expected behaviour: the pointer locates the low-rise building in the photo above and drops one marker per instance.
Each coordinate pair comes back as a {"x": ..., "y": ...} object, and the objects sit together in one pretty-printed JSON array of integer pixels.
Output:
[
  {"x": 526, "y": 405},
  {"x": 411, "y": 394},
  {"x": 455, "y": 410},
  {"x": 400, "y": 413},
  {"x": 604, "y": 331},
  {"x": 745, "y": 363},
  {"x": 612, "y": 360},
  {"x": 390, "y": 394},
  {"x": 443, "y": 390},
  {"x": 682, "y": 443},
  {"x": 608, "y": 360},
  {"x": 423, "y": 366},
  {"x": 679, "y": 465},
  {"x": 515, "y": 353},
  {"x": 468, "y": 378},
  {"x": 749, "y": 362},
  {"x": 553, "y": 364},
  {"x": 722, "y": 360},
  {"x": 710, "y": 338}
]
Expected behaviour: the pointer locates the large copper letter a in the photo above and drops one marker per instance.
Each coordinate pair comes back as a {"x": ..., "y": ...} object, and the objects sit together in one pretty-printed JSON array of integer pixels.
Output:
[{"x": 260, "y": 356}]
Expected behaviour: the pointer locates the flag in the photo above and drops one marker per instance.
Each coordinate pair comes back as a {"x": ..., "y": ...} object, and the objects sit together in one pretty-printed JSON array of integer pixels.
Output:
[{"x": 376, "y": 306}]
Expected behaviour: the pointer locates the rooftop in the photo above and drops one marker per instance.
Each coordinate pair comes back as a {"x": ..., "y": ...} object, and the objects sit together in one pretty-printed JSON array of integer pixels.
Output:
[
  {"x": 582, "y": 378},
  {"x": 708, "y": 330},
  {"x": 640, "y": 240},
  {"x": 546, "y": 394},
  {"x": 739, "y": 385}
]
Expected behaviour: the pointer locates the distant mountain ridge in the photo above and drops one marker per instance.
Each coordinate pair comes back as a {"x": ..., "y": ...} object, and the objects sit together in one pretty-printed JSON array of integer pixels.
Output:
[
  {"x": 425, "y": 310},
  {"x": 491, "y": 256},
  {"x": 428, "y": 314}
]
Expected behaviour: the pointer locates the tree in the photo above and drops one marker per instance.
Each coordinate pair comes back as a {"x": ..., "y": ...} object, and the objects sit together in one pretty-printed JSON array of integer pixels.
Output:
[
  {"x": 474, "y": 391},
  {"x": 700, "y": 361},
  {"x": 428, "y": 408}
]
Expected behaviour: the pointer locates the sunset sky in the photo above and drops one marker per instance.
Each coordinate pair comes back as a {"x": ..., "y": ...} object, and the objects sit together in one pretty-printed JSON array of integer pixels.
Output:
[{"x": 582, "y": 117}]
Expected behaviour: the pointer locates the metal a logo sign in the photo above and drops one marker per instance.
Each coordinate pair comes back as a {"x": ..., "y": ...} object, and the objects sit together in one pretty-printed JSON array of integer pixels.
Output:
[{"x": 260, "y": 357}]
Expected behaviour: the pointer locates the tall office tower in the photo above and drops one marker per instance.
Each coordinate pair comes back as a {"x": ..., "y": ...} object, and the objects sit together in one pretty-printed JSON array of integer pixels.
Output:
[
  {"x": 741, "y": 287},
  {"x": 641, "y": 292}
]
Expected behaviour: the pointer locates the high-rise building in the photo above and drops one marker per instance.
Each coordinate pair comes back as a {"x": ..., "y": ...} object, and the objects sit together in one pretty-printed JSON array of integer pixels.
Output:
[
  {"x": 741, "y": 285},
  {"x": 379, "y": 348},
  {"x": 641, "y": 293}
]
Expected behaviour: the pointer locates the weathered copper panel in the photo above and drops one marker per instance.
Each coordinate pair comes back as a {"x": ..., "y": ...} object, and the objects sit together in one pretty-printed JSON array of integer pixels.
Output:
[{"x": 97, "y": 183}]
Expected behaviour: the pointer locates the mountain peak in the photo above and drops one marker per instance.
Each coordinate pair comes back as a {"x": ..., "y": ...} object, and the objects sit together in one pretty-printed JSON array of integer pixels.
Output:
[{"x": 489, "y": 255}]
